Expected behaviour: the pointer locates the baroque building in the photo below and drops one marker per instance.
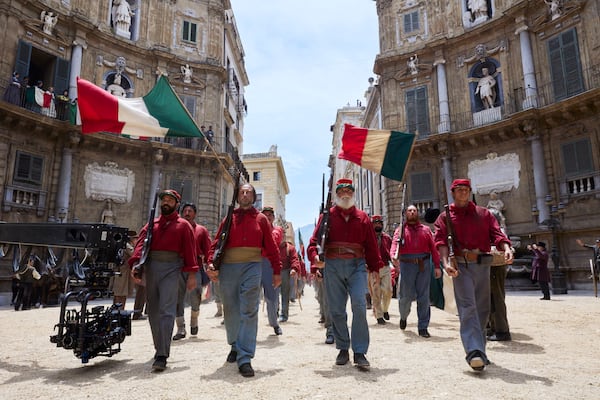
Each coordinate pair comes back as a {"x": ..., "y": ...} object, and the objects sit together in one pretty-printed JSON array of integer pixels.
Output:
[
  {"x": 506, "y": 93},
  {"x": 49, "y": 171}
]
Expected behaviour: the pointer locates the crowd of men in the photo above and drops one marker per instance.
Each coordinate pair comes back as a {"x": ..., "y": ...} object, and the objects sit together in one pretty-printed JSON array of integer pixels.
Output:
[{"x": 350, "y": 258}]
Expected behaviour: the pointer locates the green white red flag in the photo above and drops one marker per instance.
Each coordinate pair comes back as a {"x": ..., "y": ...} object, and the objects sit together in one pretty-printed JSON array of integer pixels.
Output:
[
  {"x": 381, "y": 151},
  {"x": 160, "y": 113}
]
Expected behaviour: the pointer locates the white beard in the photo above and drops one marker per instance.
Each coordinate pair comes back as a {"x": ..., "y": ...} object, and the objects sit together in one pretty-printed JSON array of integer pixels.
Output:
[{"x": 345, "y": 202}]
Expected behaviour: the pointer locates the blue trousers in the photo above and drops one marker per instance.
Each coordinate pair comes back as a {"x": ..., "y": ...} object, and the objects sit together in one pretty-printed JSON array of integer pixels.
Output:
[
  {"x": 415, "y": 284},
  {"x": 472, "y": 294},
  {"x": 240, "y": 295},
  {"x": 271, "y": 294},
  {"x": 343, "y": 278}
]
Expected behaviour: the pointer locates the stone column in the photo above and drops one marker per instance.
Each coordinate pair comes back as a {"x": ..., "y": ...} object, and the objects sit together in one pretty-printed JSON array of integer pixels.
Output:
[
  {"x": 539, "y": 177},
  {"x": 64, "y": 184},
  {"x": 75, "y": 67},
  {"x": 442, "y": 83},
  {"x": 447, "y": 171},
  {"x": 531, "y": 98}
]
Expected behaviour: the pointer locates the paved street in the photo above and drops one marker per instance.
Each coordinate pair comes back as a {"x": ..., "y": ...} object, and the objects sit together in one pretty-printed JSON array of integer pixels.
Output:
[{"x": 555, "y": 354}]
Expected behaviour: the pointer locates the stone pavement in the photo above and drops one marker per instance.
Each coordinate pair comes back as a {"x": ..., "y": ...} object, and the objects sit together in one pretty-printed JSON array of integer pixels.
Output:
[{"x": 555, "y": 354}]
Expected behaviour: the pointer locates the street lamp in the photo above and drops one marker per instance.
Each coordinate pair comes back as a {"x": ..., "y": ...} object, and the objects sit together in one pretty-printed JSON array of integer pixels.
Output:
[{"x": 559, "y": 281}]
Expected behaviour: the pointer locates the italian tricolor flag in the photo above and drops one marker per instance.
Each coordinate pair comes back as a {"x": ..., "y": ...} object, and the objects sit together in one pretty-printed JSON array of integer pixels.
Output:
[
  {"x": 160, "y": 113},
  {"x": 384, "y": 152}
]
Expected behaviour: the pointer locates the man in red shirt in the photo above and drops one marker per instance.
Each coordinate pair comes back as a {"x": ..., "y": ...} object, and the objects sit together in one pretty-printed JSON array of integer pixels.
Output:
[
  {"x": 172, "y": 251},
  {"x": 290, "y": 269},
  {"x": 240, "y": 276},
  {"x": 271, "y": 293},
  {"x": 350, "y": 249},
  {"x": 475, "y": 231},
  {"x": 415, "y": 256},
  {"x": 381, "y": 295},
  {"x": 202, "y": 238}
]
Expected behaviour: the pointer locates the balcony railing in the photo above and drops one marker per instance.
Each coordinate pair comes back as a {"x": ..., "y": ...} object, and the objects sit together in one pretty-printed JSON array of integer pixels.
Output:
[
  {"x": 512, "y": 103},
  {"x": 23, "y": 198},
  {"x": 64, "y": 110}
]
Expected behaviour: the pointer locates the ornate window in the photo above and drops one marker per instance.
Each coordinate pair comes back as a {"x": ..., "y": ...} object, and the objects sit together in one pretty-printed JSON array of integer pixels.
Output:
[
  {"x": 421, "y": 190},
  {"x": 411, "y": 22},
  {"x": 579, "y": 166}
]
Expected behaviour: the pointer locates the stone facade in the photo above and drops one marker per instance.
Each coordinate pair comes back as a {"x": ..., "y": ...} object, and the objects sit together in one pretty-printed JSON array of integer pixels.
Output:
[
  {"x": 533, "y": 141},
  {"x": 49, "y": 171}
]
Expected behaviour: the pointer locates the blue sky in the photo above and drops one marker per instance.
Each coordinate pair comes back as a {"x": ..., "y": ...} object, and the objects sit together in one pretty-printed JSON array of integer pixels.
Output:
[{"x": 305, "y": 60}]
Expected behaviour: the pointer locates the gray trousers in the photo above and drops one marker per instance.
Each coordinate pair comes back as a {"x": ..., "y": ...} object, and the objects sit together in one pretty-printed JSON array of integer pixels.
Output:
[{"x": 162, "y": 279}]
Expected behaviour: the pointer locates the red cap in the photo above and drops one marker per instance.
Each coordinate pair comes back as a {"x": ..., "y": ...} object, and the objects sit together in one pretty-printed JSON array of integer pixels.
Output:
[
  {"x": 376, "y": 218},
  {"x": 170, "y": 192},
  {"x": 460, "y": 182},
  {"x": 344, "y": 183}
]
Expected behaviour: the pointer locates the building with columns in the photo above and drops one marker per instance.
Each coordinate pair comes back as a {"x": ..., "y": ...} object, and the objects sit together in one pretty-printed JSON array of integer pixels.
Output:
[
  {"x": 51, "y": 172},
  {"x": 505, "y": 93}
]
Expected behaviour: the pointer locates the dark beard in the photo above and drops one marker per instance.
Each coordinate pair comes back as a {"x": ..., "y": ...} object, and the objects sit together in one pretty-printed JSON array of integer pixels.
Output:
[
  {"x": 378, "y": 229},
  {"x": 165, "y": 209}
]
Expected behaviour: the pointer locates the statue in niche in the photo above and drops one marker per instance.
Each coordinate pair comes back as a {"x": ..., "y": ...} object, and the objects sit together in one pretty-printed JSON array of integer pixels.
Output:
[
  {"x": 497, "y": 207},
  {"x": 555, "y": 8},
  {"x": 413, "y": 65},
  {"x": 49, "y": 19},
  {"x": 186, "y": 73},
  {"x": 121, "y": 16},
  {"x": 486, "y": 89},
  {"x": 478, "y": 9},
  {"x": 115, "y": 88},
  {"x": 108, "y": 215}
]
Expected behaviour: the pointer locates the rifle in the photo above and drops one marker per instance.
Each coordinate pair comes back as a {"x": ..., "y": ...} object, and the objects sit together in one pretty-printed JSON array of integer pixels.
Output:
[
  {"x": 324, "y": 226},
  {"x": 402, "y": 206},
  {"x": 138, "y": 269},
  {"x": 450, "y": 230},
  {"x": 222, "y": 241}
]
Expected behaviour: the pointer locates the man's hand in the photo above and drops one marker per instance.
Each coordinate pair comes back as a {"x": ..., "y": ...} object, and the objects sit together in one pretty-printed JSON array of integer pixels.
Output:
[
  {"x": 375, "y": 278},
  {"x": 396, "y": 263},
  {"x": 137, "y": 278},
  {"x": 437, "y": 272},
  {"x": 508, "y": 254},
  {"x": 191, "y": 281},
  {"x": 276, "y": 281},
  {"x": 451, "y": 267},
  {"x": 212, "y": 273}
]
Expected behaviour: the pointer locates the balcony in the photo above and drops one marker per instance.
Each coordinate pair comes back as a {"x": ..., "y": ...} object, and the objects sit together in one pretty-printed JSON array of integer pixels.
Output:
[{"x": 25, "y": 199}]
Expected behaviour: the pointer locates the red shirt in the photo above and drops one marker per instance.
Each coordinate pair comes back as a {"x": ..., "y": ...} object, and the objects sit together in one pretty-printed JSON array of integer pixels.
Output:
[
  {"x": 202, "y": 241},
  {"x": 250, "y": 228},
  {"x": 417, "y": 239},
  {"x": 385, "y": 243},
  {"x": 170, "y": 233},
  {"x": 474, "y": 228},
  {"x": 289, "y": 257},
  {"x": 358, "y": 229}
]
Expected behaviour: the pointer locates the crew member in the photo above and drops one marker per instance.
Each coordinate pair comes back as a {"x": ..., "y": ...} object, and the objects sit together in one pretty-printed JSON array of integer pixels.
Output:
[{"x": 381, "y": 295}]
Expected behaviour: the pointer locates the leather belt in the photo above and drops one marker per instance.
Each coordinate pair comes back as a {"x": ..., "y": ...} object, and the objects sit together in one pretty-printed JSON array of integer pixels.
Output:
[
  {"x": 344, "y": 252},
  {"x": 473, "y": 257},
  {"x": 420, "y": 261}
]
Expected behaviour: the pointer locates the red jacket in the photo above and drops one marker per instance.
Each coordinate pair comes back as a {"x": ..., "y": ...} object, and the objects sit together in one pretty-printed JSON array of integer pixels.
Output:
[
  {"x": 170, "y": 233},
  {"x": 202, "y": 241},
  {"x": 358, "y": 229},
  {"x": 250, "y": 228},
  {"x": 417, "y": 239},
  {"x": 474, "y": 228}
]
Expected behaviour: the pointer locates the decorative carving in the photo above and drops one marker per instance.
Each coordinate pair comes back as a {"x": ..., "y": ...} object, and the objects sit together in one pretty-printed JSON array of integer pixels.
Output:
[
  {"x": 49, "y": 20},
  {"x": 481, "y": 53},
  {"x": 108, "y": 182},
  {"x": 120, "y": 64},
  {"x": 500, "y": 174}
]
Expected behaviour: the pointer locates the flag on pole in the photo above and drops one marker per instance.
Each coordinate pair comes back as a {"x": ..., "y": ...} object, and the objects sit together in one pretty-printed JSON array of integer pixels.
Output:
[
  {"x": 301, "y": 243},
  {"x": 160, "y": 113},
  {"x": 384, "y": 152}
]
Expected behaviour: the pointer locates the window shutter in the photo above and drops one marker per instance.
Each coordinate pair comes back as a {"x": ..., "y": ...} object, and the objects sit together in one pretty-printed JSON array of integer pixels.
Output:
[
  {"x": 565, "y": 66},
  {"x": 421, "y": 186},
  {"x": 61, "y": 76},
  {"x": 422, "y": 114},
  {"x": 23, "y": 58},
  {"x": 577, "y": 157},
  {"x": 193, "y": 30},
  {"x": 23, "y": 163},
  {"x": 36, "y": 169}
]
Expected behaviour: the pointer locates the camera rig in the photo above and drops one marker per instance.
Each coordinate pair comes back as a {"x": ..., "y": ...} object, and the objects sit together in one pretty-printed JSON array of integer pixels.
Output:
[{"x": 100, "y": 330}]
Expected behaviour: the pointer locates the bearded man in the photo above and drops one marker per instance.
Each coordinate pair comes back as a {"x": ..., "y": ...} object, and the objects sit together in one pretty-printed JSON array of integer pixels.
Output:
[
  {"x": 350, "y": 250},
  {"x": 172, "y": 251}
]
